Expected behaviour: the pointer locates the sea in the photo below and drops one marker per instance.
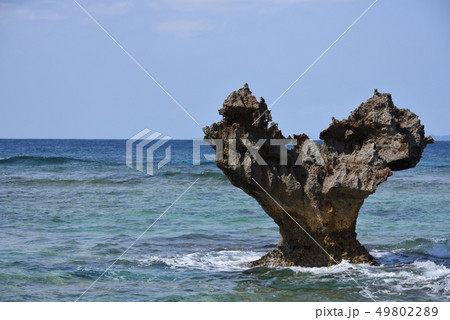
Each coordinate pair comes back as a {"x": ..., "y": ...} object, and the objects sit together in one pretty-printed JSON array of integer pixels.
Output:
[{"x": 78, "y": 224}]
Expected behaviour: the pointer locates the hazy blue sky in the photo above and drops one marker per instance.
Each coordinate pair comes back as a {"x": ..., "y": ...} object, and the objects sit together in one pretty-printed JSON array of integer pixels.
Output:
[{"x": 62, "y": 77}]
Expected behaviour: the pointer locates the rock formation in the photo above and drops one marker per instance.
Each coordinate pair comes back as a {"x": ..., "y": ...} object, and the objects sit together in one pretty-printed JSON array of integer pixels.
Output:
[{"x": 315, "y": 191}]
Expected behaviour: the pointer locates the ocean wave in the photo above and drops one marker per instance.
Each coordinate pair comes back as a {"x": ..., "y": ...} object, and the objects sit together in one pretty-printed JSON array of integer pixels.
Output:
[
  {"x": 428, "y": 277},
  {"x": 220, "y": 261},
  {"x": 438, "y": 247},
  {"x": 438, "y": 164},
  {"x": 111, "y": 179},
  {"x": 437, "y": 250},
  {"x": 429, "y": 269},
  {"x": 424, "y": 279},
  {"x": 40, "y": 160},
  {"x": 205, "y": 174},
  {"x": 22, "y": 181}
]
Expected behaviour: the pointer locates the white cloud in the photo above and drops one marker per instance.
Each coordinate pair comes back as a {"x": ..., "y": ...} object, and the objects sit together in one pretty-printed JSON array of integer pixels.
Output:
[
  {"x": 208, "y": 5},
  {"x": 53, "y": 10},
  {"x": 229, "y": 5},
  {"x": 155, "y": 5},
  {"x": 44, "y": 11},
  {"x": 110, "y": 8},
  {"x": 196, "y": 27},
  {"x": 184, "y": 27},
  {"x": 43, "y": 16}
]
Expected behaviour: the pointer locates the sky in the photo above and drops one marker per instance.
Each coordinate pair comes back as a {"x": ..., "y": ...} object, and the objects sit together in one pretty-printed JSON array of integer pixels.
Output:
[{"x": 62, "y": 76}]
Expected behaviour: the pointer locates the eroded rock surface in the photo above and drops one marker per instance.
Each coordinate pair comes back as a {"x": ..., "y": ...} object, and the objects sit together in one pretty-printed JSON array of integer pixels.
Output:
[{"x": 315, "y": 193}]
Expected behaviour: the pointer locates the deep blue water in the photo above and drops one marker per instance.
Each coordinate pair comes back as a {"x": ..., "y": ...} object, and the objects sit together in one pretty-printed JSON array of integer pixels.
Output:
[{"x": 69, "y": 208}]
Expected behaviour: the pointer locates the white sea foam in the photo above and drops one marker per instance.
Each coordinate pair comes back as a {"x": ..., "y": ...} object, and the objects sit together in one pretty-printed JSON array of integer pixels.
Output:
[
  {"x": 379, "y": 253},
  {"x": 336, "y": 269},
  {"x": 431, "y": 270},
  {"x": 227, "y": 260},
  {"x": 425, "y": 276}
]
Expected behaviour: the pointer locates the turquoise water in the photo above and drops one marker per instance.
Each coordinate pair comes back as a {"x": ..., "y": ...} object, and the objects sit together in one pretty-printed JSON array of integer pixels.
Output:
[{"x": 69, "y": 208}]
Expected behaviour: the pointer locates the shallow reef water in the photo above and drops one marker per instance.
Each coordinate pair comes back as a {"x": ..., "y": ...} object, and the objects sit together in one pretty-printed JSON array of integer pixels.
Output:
[{"x": 69, "y": 208}]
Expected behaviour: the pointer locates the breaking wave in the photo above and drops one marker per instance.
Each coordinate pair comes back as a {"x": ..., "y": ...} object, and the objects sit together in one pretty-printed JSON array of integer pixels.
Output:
[
  {"x": 226, "y": 260},
  {"x": 40, "y": 160}
]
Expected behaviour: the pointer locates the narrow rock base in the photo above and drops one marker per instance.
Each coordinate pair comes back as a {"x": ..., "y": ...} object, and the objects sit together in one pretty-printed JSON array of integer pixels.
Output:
[{"x": 333, "y": 249}]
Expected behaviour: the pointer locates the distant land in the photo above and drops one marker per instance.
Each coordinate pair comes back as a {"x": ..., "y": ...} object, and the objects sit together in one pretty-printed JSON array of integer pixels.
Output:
[{"x": 441, "y": 138}]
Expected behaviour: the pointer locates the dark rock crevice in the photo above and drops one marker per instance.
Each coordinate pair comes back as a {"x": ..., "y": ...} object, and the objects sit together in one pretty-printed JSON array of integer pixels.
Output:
[{"x": 318, "y": 189}]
